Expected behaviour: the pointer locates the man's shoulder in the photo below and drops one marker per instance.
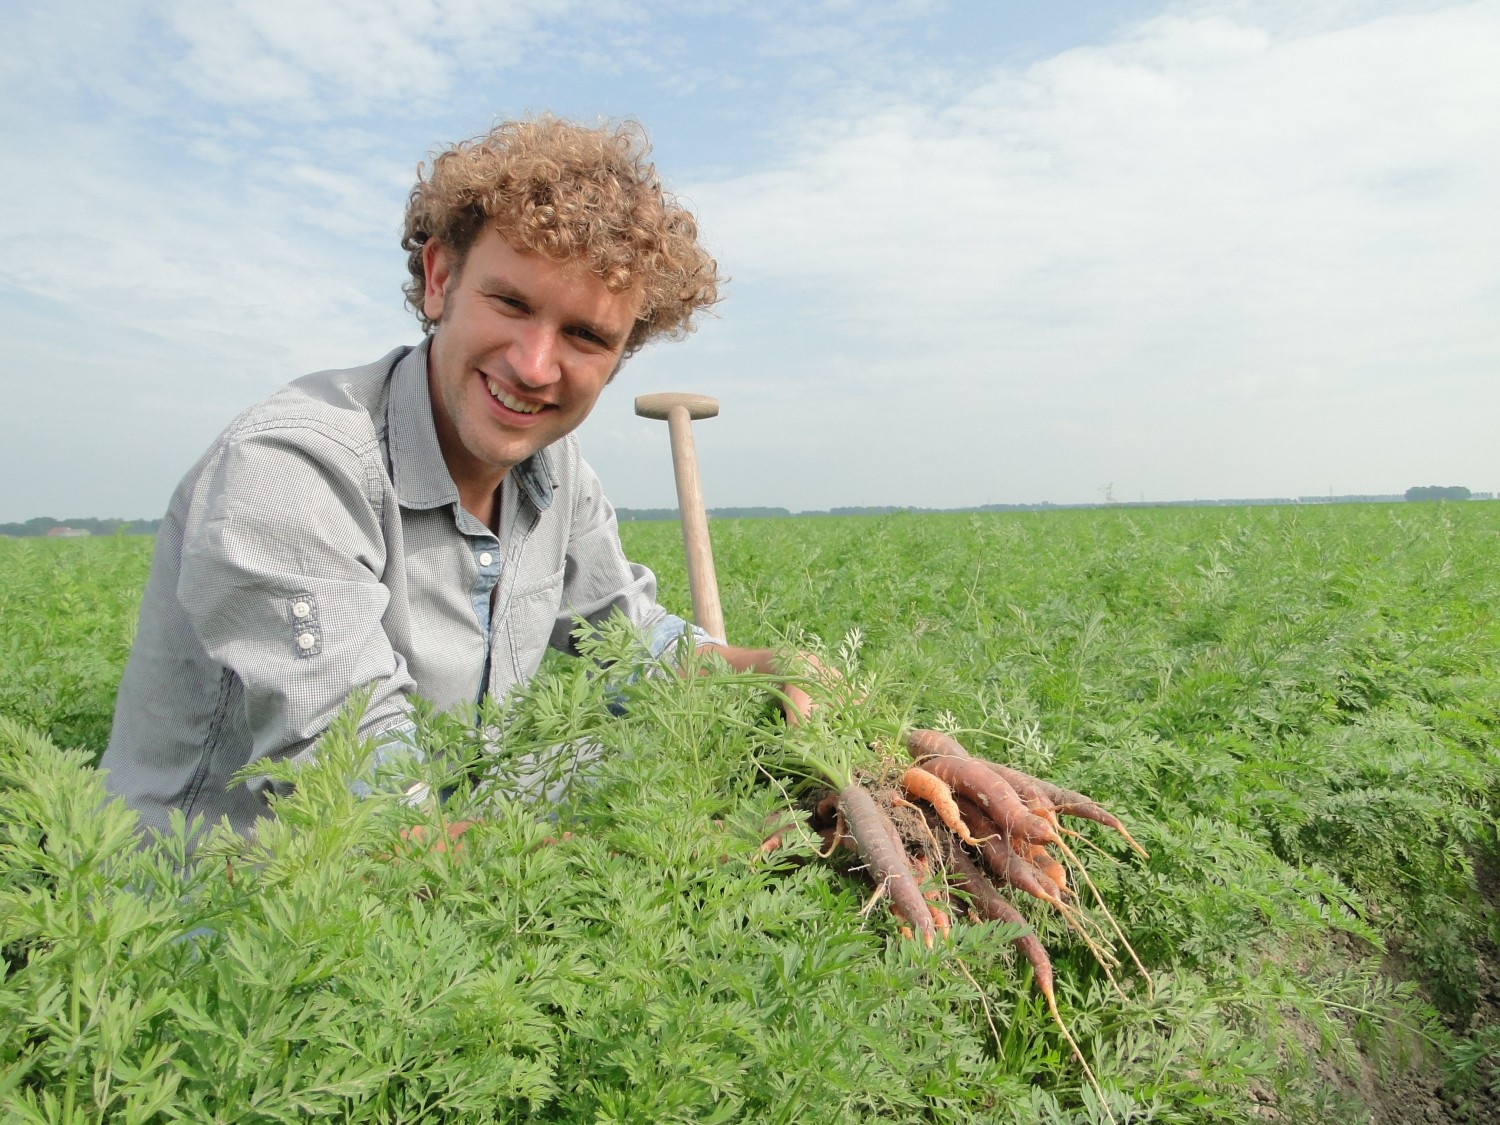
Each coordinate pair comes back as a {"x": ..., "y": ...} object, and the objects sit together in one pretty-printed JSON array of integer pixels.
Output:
[
  {"x": 329, "y": 427},
  {"x": 344, "y": 404}
]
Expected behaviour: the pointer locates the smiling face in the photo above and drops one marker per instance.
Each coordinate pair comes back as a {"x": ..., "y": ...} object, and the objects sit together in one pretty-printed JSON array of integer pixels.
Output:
[{"x": 521, "y": 350}]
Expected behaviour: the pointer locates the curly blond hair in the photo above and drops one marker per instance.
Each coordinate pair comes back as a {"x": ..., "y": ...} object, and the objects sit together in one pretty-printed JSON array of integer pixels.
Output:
[{"x": 571, "y": 193}]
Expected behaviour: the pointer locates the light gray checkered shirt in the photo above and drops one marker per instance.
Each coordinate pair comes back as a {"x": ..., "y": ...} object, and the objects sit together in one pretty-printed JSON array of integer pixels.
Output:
[{"x": 319, "y": 546}]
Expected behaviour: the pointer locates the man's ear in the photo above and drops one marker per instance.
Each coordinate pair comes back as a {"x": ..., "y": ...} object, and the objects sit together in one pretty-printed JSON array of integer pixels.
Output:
[{"x": 437, "y": 265}]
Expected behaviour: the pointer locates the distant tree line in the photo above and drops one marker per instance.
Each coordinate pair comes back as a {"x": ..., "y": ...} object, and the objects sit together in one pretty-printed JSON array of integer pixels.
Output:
[
  {"x": 46, "y": 525},
  {"x": 626, "y": 515},
  {"x": 1438, "y": 492}
]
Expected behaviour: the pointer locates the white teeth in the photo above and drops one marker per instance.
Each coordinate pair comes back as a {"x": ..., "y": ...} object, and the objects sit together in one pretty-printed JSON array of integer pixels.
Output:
[{"x": 509, "y": 401}]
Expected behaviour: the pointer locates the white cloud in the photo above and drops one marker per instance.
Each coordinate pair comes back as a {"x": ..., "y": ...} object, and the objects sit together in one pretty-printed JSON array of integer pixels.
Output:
[
  {"x": 352, "y": 56},
  {"x": 1207, "y": 213},
  {"x": 1193, "y": 141},
  {"x": 1198, "y": 159},
  {"x": 161, "y": 256}
]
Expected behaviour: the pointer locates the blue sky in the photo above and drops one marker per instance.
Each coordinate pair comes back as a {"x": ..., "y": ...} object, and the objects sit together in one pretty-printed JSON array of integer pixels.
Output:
[{"x": 980, "y": 252}]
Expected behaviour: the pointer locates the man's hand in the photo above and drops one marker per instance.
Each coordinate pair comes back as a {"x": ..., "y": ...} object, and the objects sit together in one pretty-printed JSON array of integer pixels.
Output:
[{"x": 796, "y": 704}]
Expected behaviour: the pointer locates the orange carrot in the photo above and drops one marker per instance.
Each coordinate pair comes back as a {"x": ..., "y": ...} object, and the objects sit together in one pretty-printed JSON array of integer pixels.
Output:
[
  {"x": 934, "y": 790},
  {"x": 1002, "y": 860},
  {"x": 1047, "y": 864},
  {"x": 944, "y": 756},
  {"x": 940, "y": 921},
  {"x": 987, "y": 903},
  {"x": 1036, "y": 794},
  {"x": 881, "y": 847},
  {"x": 927, "y": 743},
  {"x": 1029, "y": 789},
  {"x": 1009, "y": 868},
  {"x": 775, "y": 827},
  {"x": 1068, "y": 802},
  {"x": 968, "y": 777},
  {"x": 934, "y": 895}
]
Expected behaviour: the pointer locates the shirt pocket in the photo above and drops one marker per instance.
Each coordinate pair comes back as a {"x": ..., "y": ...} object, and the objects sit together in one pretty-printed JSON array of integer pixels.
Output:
[{"x": 530, "y": 618}]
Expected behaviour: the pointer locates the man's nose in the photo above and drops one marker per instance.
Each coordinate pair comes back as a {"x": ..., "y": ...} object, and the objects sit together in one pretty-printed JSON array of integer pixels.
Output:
[{"x": 534, "y": 357}]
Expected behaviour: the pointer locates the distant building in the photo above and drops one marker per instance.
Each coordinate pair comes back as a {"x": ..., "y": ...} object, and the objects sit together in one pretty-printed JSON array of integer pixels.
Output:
[{"x": 66, "y": 533}]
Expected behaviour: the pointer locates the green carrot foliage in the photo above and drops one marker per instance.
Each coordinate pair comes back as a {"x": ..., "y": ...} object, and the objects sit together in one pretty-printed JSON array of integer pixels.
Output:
[{"x": 1296, "y": 710}]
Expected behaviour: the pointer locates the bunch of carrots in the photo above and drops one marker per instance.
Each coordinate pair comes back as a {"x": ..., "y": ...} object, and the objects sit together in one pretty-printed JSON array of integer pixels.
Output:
[{"x": 957, "y": 823}]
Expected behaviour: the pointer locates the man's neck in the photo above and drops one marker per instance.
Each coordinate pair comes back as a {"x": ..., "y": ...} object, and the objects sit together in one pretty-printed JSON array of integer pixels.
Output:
[
  {"x": 482, "y": 503},
  {"x": 478, "y": 483}
]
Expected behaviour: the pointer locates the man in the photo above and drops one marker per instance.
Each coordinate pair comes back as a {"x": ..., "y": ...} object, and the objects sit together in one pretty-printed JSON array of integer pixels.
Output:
[{"x": 422, "y": 526}]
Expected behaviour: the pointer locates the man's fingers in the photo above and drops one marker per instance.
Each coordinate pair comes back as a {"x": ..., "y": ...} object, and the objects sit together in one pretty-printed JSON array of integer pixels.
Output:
[
  {"x": 797, "y": 705},
  {"x": 419, "y": 833}
]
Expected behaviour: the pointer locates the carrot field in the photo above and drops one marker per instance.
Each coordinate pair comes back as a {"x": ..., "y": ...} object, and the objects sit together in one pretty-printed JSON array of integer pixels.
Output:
[{"x": 1296, "y": 710}]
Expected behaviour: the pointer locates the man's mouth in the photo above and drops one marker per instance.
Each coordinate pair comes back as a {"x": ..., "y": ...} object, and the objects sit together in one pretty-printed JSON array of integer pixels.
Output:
[{"x": 510, "y": 402}]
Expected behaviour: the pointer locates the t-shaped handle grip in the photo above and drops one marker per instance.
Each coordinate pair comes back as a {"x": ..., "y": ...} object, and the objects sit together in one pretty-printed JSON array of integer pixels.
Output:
[
  {"x": 678, "y": 410},
  {"x": 661, "y": 406}
]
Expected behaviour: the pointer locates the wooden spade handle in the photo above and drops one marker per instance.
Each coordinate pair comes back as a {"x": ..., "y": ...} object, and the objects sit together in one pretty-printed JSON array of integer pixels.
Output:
[{"x": 679, "y": 410}]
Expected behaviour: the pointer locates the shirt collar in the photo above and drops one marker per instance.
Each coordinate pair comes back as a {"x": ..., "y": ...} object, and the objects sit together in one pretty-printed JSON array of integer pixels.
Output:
[
  {"x": 536, "y": 478},
  {"x": 418, "y": 470}
]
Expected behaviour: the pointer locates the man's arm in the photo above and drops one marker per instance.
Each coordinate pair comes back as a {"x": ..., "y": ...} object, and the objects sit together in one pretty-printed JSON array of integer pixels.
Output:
[
  {"x": 601, "y": 581},
  {"x": 797, "y": 704},
  {"x": 282, "y": 558}
]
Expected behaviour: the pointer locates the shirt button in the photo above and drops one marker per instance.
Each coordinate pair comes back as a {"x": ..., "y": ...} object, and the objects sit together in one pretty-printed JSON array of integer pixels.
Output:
[
  {"x": 301, "y": 609},
  {"x": 486, "y": 558},
  {"x": 305, "y": 641}
]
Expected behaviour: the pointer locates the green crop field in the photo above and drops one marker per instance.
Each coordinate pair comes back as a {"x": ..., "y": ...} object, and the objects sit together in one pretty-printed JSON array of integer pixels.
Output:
[{"x": 1296, "y": 710}]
